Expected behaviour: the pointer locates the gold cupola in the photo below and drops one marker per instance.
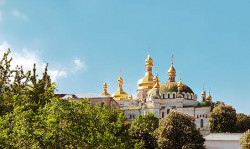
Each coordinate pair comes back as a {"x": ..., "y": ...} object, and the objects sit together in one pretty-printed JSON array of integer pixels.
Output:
[
  {"x": 105, "y": 92},
  {"x": 157, "y": 82},
  {"x": 203, "y": 95},
  {"x": 180, "y": 85},
  {"x": 120, "y": 94},
  {"x": 209, "y": 97},
  {"x": 171, "y": 72},
  {"x": 147, "y": 81}
]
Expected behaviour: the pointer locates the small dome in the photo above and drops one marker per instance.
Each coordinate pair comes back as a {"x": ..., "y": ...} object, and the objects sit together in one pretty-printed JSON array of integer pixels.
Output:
[
  {"x": 149, "y": 60},
  {"x": 209, "y": 97},
  {"x": 172, "y": 70},
  {"x": 171, "y": 87}
]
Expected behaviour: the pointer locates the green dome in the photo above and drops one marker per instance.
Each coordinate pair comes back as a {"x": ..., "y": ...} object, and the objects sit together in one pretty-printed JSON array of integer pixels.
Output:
[{"x": 171, "y": 87}]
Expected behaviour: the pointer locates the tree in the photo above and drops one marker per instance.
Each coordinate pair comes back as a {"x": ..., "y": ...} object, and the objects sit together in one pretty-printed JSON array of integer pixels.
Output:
[
  {"x": 64, "y": 124},
  {"x": 142, "y": 129},
  {"x": 242, "y": 123},
  {"x": 178, "y": 130},
  {"x": 32, "y": 117},
  {"x": 18, "y": 87},
  {"x": 222, "y": 119},
  {"x": 245, "y": 140}
]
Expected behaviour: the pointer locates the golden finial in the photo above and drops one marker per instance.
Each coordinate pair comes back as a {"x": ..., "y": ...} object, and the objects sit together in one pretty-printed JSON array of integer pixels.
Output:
[{"x": 180, "y": 85}]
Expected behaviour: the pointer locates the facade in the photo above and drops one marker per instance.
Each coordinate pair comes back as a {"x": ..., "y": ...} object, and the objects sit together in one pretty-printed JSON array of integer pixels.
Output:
[
  {"x": 161, "y": 98},
  {"x": 92, "y": 98}
]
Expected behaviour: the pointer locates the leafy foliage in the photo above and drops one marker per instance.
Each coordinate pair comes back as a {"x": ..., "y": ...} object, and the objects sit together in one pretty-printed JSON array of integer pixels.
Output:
[
  {"x": 242, "y": 123},
  {"x": 245, "y": 140},
  {"x": 18, "y": 88},
  {"x": 222, "y": 119},
  {"x": 64, "y": 124},
  {"x": 142, "y": 130},
  {"x": 178, "y": 130}
]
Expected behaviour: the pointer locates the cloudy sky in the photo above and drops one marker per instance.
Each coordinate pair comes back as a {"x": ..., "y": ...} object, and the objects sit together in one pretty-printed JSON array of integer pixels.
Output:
[{"x": 84, "y": 41}]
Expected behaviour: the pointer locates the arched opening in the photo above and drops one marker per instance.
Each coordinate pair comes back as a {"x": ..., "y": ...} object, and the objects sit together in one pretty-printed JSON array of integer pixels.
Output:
[
  {"x": 162, "y": 115},
  {"x": 173, "y": 95},
  {"x": 168, "y": 110},
  {"x": 163, "y": 96},
  {"x": 201, "y": 123},
  {"x": 168, "y": 95}
]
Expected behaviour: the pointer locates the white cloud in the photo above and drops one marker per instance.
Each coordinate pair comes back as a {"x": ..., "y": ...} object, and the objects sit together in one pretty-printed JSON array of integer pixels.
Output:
[
  {"x": 79, "y": 66},
  {"x": 20, "y": 15},
  {"x": 54, "y": 74},
  {"x": 4, "y": 47},
  {"x": 27, "y": 58}
]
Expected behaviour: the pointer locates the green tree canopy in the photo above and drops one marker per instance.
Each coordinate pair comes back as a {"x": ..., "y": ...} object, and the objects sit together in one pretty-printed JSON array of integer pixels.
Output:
[
  {"x": 178, "y": 130},
  {"x": 242, "y": 123},
  {"x": 222, "y": 119},
  {"x": 142, "y": 129},
  {"x": 18, "y": 87},
  {"x": 245, "y": 140},
  {"x": 64, "y": 124}
]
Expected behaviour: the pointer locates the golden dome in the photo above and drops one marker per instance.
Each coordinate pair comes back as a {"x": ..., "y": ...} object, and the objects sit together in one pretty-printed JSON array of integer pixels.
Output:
[
  {"x": 105, "y": 93},
  {"x": 171, "y": 70},
  {"x": 120, "y": 94},
  {"x": 203, "y": 92},
  {"x": 180, "y": 85},
  {"x": 157, "y": 83},
  {"x": 209, "y": 97},
  {"x": 130, "y": 97},
  {"x": 147, "y": 81},
  {"x": 149, "y": 60},
  {"x": 105, "y": 86}
]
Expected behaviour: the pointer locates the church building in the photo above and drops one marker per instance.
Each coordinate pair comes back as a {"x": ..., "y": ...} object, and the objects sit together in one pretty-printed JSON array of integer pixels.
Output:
[{"x": 161, "y": 98}]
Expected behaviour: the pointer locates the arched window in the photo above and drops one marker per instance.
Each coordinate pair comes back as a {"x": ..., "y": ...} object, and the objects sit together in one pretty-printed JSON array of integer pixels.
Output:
[
  {"x": 162, "y": 114},
  {"x": 168, "y": 95},
  {"x": 173, "y": 95},
  {"x": 168, "y": 110},
  {"x": 206, "y": 115},
  {"x": 201, "y": 123},
  {"x": 187, "y": 96},
  {"x": 163, "y": 95}
]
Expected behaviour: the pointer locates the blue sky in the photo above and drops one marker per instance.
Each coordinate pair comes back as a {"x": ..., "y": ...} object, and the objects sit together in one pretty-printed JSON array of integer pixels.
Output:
[{"x": 85, "y": 40}]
